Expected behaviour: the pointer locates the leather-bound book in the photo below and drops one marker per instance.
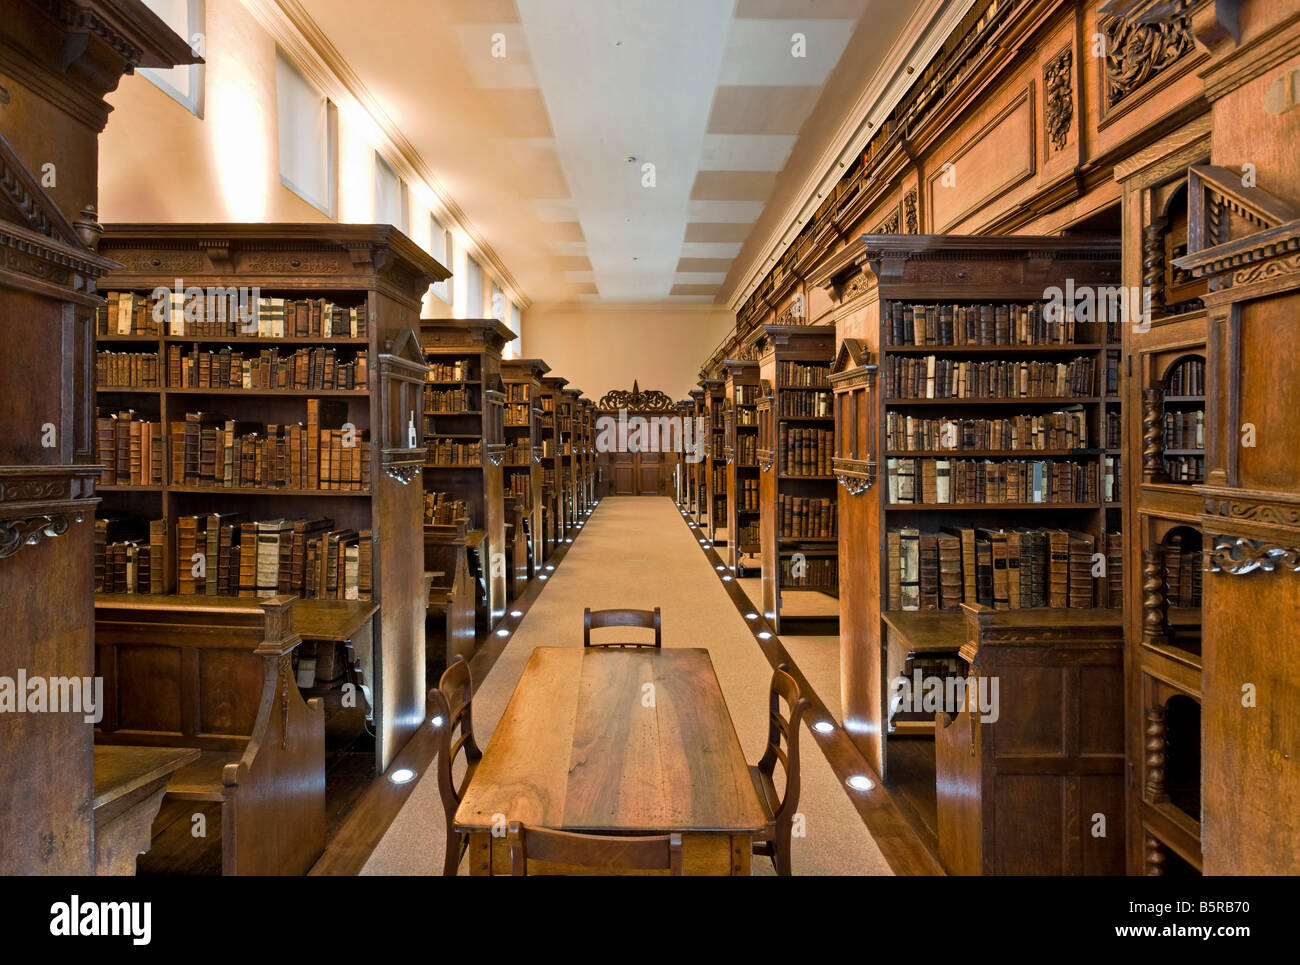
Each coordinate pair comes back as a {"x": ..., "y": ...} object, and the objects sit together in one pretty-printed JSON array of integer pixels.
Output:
[{"x": 951, "y": 587}]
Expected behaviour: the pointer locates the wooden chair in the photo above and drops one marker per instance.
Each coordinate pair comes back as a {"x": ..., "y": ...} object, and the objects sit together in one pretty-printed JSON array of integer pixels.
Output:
[
  {"x": 780, "y": 808},
  {"x": 595, "y": 619},
  {"x": 450, "y": 700},
  {"x": 603, "y": 852}
]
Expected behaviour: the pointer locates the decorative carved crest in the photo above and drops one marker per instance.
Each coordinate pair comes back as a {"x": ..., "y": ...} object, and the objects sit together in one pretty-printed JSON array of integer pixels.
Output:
[
  {"x": 651, "y": 400},
  {"x": 1137, "y": 49},
  {"x": 1238, "y": 557},
  {"x": 1058, "y": 104}
]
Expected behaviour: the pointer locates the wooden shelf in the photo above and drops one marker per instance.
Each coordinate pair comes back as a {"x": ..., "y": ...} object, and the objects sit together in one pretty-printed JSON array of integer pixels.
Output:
[
  {"x": 262, "y": 340},
  {"x": 267, "y": 491},
  {"x": 275, "y": 393},
  {"x": 966, "y": 507},
  {"x": 1048, "y": 349},
  {"x": 990, "y": 453},
  {"x": 1019, "y": 400}
]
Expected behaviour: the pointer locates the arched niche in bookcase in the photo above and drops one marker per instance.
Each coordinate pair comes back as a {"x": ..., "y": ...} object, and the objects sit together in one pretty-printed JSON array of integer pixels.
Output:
[
  {"x": 402, "y": 371},
  {"x": 853, "y": 380}
]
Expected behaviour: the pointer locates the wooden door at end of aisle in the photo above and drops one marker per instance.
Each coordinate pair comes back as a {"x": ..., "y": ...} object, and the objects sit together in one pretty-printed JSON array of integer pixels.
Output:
[{"x": 637, "y": 473}]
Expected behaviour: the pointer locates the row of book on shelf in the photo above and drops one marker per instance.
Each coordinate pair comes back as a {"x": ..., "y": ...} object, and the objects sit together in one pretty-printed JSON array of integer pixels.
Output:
[
  {"x": 227, "y": 313},
  {"x": 224, "y": 554},
  {"x": 450, "y": 452},
  {"x": 746, "y": 450},
  {"x": 747, "y": 495},
  {"x": 447, "y": 400},
  {"x": 931, "y": 377},
  {"x": 1186, "y": 378},
  {"x": 804, "y": 452},
  {"x": 811, "y": 572},
  {"x": 212, "y": 451},
  {"x": 934, "y": 481},
  {"x": 459, "y": 370},
  {"x": 803, "y": 374},
  {"x": 443, "y": 509},
  {"x": 1006, "y": 569},
  {"x": 806, "y": 517},
  {"x": 816, "y": 404},
  {"x": 1184, "y": 430},
  {"x": 1007, "y": 323},
  {"x": 719, "y": 478},
  {"x": 306, "y": 368},
  {"x": 1063, "y": 429}
]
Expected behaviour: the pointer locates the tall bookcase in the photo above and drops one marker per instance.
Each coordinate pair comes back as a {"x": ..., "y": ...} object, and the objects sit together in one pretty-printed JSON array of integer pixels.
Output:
[
  {"x": 358, "y": 476},
  {"x": 569, "y": 420},
  {"x": 699, "y": 468},
  {"x": 466, "y": 445},
  {"x": 715, "y": 462},
  {"x": 796, "y": 430},
  {"x": 922, "y": 316},
  {"x": 552, "y": 461},
  {"x": 1165, "y": 393},
  {"x": 525, "y": 443},
  {"x": 743, "y": 513}
]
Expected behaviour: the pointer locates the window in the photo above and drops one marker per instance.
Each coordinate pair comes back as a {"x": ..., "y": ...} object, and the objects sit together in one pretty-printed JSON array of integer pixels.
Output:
[
  {"x": 308, "y": 129},
  {"x": 473, "y": 288},
  {"x": 515, "y": 348},
  {"x": 440, "y": 249},
  {"x": 184, "y": 84},
  {"x": 390, "y": 195},
  {"x": 498, "y": 303}
]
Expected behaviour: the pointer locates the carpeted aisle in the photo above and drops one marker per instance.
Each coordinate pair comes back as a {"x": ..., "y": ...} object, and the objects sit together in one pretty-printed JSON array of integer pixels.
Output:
[{"x": 637, "y": 552}]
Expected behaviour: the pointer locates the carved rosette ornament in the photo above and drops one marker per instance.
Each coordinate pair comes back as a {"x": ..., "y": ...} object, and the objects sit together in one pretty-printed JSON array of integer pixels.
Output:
[
  {"x": 1237, "y": 557},
  {"x": 43, "y": 502},
  {"x": 1058, "y": 106},
  {"x": 1137, "y": 50},
  {"x": 651, "y": 400}
]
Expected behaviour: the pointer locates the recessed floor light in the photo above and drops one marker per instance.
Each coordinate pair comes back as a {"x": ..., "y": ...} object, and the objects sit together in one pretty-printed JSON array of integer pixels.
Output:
[
  {"x": 764, "y": 635},
  {"x": 824, "y": 727},
  {"x": 550, "y": 566},
  {"x": 516, "y": 613},
  {"x": 542, "y": 576},
  {"x": 436, "y": 722},
  {"x": 719, "y": 568},
  {"x": 403, "y": 775},
  {"x": 860, "y": 782},
  {"x": 751, "y": 616},
  {"x": 503, "y": 632},
  {"x": 727, "y": 578}
]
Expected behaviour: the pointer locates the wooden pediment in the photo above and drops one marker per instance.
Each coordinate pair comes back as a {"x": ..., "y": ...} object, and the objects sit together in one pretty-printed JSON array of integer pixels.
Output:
[
  {"x": 405, "y": 345},
  {"x": 852, "y": 354},
  {"x": 24, "y": 202},
  {"x": 1222, "y": 208}
]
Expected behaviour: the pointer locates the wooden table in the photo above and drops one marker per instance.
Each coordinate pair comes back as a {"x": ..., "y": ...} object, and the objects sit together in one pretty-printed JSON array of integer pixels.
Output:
[
  {"x": 585, "y": 745},
  {"x": 129, "y": 787}
]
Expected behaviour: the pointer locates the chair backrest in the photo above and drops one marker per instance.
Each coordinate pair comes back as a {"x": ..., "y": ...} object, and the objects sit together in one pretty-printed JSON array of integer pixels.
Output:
[
  {"x": 595, "y": 619},
  {"x": 451, "y": 700},
  {"x": 784, "y": 689},
  {"x": 604, "y": 852}
]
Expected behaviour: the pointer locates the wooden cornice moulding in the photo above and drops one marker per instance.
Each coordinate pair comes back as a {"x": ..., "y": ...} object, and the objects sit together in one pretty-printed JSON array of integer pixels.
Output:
[
  {"x": 202, "y": 254},
  {"x": 43, "y": 502},
  {"x": 1232, "y": 66}
]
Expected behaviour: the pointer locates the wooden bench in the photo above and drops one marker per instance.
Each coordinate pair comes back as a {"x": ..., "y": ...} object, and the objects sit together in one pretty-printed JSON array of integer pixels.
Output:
[
  {"x": 219, "y": 678},
  {"x": 517, "y": 568},
  {"x": 452, "y": 593}
]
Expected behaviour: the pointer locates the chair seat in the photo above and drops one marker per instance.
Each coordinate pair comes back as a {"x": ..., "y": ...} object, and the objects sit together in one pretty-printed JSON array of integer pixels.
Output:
[{"x": 201, "y": 780}]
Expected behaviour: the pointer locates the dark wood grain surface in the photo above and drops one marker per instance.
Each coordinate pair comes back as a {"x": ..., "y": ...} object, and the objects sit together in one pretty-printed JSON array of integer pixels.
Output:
[{"x": 583, "y": 747}]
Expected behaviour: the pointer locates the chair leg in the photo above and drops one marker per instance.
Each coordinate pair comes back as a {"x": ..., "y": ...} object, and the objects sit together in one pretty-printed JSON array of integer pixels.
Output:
[
  {"x": 452, "y": 859},
  {"x": 781, "y": 851}
]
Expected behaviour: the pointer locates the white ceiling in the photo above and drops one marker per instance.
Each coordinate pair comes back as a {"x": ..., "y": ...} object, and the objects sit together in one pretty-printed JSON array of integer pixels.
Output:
[{"x": 533, "y": 144}]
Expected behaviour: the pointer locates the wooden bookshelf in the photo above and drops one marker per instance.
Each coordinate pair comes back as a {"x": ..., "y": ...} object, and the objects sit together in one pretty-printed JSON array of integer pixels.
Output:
[
  {"x": 569, "y": 456},
  {"x": 964, "y": 281},
  {"x": 464, "y": 355},
  {"x": 743, "y": 513},
  {"x": 699, "y": 469},
  {"x": 524, "y": 445},
  {"x": 1163, "y": 639},
  {"x": 715, "y": 459},
  {"x": 791, "y": 407},
  {"x": 558, "y": 520},
  {"x": 372, "y": 269}
]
